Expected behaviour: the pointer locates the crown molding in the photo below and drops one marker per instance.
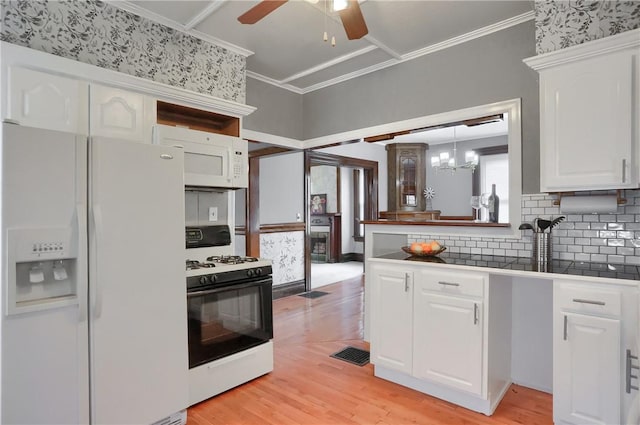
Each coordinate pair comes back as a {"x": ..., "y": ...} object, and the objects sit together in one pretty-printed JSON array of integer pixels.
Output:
[
  {"x": 351, "y": 75},
  {"x": 328, "y": 64},
  {"x": 490, "y": 29},
  {"x": 204, "y": 14},
  {"x": 614, "y": 43},
  {"x": 481, "y": 32},
  {"x": 264, "y": 79},
  {"x": 144, "y": 13}
]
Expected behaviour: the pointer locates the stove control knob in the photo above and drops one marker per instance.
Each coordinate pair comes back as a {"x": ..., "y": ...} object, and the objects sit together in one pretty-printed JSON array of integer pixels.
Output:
[
  {"x": 203, "y": 280},
  {"x": 250, "y": 273},
  {"x": 213, "y": 278},
  {"x": 258, "y": 271}
]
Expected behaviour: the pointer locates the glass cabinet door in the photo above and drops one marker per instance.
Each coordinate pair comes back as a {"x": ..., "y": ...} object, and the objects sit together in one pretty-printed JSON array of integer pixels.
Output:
[{"x": 407, "y": 177}]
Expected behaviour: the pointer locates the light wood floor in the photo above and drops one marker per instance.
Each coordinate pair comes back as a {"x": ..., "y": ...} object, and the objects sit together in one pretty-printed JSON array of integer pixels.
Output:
[{"x": 309, "y": 387}]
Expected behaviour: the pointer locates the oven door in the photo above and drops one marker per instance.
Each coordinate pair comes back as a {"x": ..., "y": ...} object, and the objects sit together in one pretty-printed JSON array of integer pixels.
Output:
[{"x": 228, "y": 319}]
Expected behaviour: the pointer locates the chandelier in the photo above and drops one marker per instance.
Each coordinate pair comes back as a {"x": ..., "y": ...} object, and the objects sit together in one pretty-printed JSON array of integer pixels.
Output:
[{"x": 446, "y": 162}]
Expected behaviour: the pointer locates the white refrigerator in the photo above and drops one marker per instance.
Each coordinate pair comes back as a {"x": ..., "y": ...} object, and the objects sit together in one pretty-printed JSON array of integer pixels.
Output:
[{"x": 94, "y": 320}]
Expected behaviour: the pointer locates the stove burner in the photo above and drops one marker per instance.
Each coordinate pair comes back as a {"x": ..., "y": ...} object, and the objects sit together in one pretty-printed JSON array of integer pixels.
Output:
[
  {"x": 195, "y": 264},
  {"x": 231, "y": 259}
]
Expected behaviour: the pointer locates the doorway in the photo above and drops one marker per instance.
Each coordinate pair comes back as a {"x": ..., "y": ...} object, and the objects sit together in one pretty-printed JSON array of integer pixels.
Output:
[{"x": 334, "y": 211}]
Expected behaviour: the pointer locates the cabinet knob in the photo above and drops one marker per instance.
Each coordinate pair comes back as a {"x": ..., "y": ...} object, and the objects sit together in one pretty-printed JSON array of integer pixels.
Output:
[{"x": 406, "y": 282}]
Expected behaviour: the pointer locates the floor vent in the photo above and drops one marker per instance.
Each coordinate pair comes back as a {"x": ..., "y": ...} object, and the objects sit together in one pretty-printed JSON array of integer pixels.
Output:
[
  {"x": 313, "y": 294},
  {"x": 352, "y": 355}
]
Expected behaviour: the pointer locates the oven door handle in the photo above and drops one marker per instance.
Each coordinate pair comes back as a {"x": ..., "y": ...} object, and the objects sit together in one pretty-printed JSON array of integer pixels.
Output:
[{"x": 228, "y": 287}]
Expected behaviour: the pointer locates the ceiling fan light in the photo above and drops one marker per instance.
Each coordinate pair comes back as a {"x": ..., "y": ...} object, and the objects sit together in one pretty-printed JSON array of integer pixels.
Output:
[{"x": 340, "y": 5}]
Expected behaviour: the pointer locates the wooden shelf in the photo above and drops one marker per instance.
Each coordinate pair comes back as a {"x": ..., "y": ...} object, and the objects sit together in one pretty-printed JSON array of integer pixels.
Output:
[
  {"x": 410, "y": 215},
  {"x": 197, "y": 119}
]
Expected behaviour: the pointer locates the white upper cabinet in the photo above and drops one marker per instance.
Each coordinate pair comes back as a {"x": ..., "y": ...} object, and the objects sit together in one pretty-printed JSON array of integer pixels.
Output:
[
  {"x": 589, "y": 115},
  {"x": 121, "y": 114},
  {"x": 41, "y": 100}
]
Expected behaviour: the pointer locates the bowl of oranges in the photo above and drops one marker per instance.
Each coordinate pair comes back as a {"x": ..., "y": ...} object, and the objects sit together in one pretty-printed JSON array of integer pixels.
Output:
[{"x": 424, "y": 249}]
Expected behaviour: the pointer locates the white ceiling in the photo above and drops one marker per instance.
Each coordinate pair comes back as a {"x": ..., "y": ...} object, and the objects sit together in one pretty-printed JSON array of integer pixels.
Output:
[{"x": 286, "y": 48}]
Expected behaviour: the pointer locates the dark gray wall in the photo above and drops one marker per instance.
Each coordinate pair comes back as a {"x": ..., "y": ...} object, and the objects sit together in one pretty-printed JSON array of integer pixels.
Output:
[
  {"x": 481, "y": 71},
  {"x": 279, "y": 111}
]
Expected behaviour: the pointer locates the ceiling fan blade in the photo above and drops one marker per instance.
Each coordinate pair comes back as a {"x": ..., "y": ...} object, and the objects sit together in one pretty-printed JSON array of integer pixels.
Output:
[
  {"x": 260, "y": 10},
  {"x": 353, "y": 21}
]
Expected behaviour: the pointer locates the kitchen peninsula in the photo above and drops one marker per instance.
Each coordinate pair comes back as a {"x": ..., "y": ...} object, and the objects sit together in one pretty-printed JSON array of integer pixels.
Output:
[{"x": 465, "y": 325}]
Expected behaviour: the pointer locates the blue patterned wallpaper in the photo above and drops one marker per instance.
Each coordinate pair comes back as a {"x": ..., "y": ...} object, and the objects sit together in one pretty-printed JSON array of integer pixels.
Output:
[
  {"x": 97, "y": 33},
  {"x": 561, "y": 24}
]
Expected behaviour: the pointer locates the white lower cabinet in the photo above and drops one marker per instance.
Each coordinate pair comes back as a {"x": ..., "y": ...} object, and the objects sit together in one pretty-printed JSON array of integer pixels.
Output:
[
  {"x": 392, "y": 323},
  {"x": 594, "y": 325},
  {"x": 447, "y": 337},
  {"x": 429, "y": 332}
]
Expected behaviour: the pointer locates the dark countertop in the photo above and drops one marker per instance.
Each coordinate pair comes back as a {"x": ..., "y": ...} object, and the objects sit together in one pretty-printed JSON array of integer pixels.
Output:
[
  {"x": 573, "y": 268},
  {"x": 457, "y": 223}
]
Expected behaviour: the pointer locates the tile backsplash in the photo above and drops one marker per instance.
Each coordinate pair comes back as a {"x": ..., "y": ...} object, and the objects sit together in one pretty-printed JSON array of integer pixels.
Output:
[{"x": 601, "y": 238}]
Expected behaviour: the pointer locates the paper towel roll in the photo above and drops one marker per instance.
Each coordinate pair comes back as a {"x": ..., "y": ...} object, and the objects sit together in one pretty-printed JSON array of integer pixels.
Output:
[{"x": 600, "y": 204}]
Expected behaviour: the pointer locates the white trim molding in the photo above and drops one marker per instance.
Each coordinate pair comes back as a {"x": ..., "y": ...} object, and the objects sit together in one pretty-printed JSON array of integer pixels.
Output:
[
  {"x": 259, "y": 136},
  {"x": 614, "y": 43}
]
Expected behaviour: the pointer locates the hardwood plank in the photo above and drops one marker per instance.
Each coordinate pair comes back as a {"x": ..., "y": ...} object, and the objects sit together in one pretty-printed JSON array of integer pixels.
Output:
[{"x": 309, "y": 387}]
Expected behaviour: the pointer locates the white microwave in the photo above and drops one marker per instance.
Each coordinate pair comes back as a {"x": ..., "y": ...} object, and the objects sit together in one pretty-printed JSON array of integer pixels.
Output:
[{"x": 210, "y": 159}]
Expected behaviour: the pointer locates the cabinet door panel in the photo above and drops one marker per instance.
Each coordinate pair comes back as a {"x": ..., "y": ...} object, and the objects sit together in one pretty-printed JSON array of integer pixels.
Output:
[
  {"x": 391, "y": 320},
  {"x": 41, "y": 100},
  {"x": 586, "y": 125},
  {"x": 448, "y": 340},
  {"x": 586, "y": 369},
  {"x": 121, "y": 114}
]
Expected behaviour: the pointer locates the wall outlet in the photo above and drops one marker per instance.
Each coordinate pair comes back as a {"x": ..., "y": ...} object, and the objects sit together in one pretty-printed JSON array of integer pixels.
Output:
[{"x": 213, "y": 213}]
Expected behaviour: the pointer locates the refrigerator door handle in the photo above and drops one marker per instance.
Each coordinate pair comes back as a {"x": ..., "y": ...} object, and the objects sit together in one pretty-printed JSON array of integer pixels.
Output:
[
  {"x": 97, "y": 298},
  {"x": 81, "y": 282}
]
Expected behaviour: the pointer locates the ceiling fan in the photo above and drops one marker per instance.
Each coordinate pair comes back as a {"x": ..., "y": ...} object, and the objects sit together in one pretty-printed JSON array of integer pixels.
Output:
[{"x": 351, "y": 16}]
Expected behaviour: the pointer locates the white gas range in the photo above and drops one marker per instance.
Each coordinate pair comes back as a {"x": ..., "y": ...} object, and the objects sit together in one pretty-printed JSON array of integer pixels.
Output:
[{"x": 230, "y": 318}]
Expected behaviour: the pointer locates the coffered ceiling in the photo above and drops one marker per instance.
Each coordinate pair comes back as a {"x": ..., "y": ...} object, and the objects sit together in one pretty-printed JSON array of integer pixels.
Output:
[{"x": 286, "y": 47}]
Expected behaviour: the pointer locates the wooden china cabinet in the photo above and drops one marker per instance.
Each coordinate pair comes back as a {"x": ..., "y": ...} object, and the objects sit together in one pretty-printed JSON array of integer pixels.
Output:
[{"x": 407, "y": 170}]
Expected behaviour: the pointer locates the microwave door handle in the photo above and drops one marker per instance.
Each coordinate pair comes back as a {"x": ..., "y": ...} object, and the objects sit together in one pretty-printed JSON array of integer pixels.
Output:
[{"x": 229, "y": 166}]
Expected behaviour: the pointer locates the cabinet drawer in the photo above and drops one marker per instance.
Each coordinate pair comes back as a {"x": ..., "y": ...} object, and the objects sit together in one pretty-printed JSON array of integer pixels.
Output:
[
  {"x": 456, "y": 283},
  {"x": 588, "y": 299}
]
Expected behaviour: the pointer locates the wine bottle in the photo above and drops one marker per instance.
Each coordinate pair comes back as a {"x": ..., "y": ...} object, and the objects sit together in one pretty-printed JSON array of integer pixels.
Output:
[{"x": 494, "y": 205}]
